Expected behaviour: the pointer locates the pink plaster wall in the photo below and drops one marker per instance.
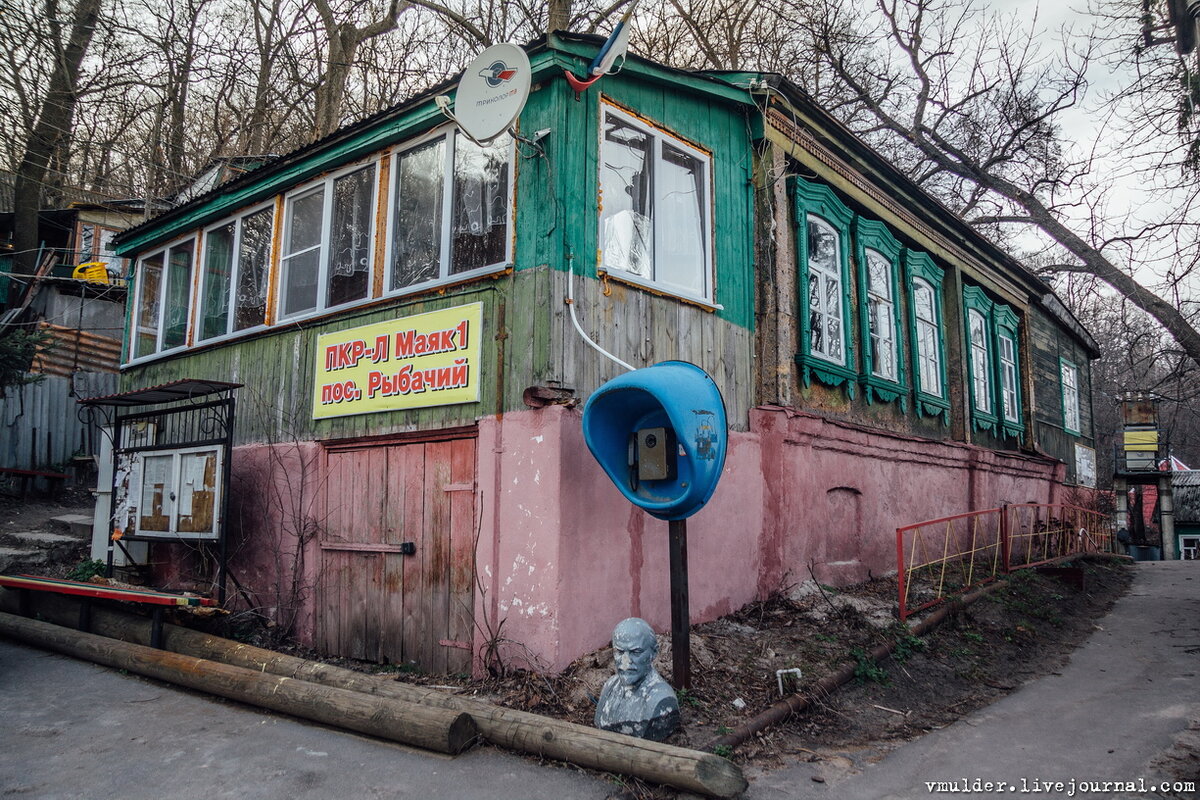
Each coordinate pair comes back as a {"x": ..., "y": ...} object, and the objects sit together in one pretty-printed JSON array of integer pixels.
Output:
[
  {"x": 276, "y": 502},
  {"x": 840, "y": 491},
  {"x": 562, "y": 556},
  {"x": 570, "y": 558}
]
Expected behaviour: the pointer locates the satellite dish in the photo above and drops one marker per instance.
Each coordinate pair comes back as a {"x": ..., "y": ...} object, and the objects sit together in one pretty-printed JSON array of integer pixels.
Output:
[{"x": 492, "y": 92}]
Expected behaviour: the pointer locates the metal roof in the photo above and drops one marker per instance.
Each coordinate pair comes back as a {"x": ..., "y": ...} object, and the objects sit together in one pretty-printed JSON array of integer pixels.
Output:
[
  {"x": 185, "y": 389},
  {"x": 1189, "y": 477}
]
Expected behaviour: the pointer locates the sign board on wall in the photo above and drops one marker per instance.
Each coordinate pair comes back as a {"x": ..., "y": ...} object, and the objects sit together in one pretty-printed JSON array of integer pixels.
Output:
[
  {"x": 413, "y": 362},
  {"x": 1085, "y": 466}
]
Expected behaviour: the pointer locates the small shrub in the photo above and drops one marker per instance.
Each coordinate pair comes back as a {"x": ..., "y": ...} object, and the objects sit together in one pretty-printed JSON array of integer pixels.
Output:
[
  {"x": 866, "y": 669},
  {"x": 906, "y": 645},
  {"x": 87, "y": 569}
]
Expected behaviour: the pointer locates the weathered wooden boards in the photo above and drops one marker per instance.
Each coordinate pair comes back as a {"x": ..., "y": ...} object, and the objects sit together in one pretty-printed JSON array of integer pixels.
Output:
[
  {"x": 690, "y": 770},
  {"x": 427, "y": 726}
]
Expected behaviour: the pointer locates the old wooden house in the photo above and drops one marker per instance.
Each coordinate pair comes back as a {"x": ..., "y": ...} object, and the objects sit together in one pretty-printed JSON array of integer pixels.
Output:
[{"x": 410, "y": 478}]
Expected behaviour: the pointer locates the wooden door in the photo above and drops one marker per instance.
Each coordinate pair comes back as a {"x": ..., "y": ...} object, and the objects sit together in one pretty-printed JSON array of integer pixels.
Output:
[{"x": 375, "y": 603}]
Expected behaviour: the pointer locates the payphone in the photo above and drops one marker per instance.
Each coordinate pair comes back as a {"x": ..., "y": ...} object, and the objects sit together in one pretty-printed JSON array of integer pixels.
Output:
[{"x": 659, "y": 434}]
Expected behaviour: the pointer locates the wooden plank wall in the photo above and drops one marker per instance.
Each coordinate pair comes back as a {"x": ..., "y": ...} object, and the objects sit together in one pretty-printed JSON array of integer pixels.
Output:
[
  {"x": 1048, "y": 343},
  {"x": 643, "y": 329},
  {"x": 376, "y": 603},
  {"x": 277, "y": 368}
]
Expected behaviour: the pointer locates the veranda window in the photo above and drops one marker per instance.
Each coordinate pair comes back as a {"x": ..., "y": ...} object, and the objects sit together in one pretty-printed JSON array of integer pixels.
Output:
[
  {"x": 450, "y": 210},
  {"x": 654, "y": 207},
  {"x": 236, "y": 260},
  {"x": 163, "y": 305},
  {"x": 328, "y": 239}
]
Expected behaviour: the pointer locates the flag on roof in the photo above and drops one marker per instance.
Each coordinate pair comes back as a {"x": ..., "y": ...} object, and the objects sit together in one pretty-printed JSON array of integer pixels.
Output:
[
  {"x": 605, "y": 61},
  {"x": 1173, "y": 464}
]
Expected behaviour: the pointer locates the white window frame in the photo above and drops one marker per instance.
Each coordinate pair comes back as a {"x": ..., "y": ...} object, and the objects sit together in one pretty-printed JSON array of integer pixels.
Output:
[
  {"x": 165, "y": 251},
  {"x": 1072, "y": 422},
  {"x": 1189, "y": 547},
  {"x": 981, "y": 366},
  {"x": 923, "y": 358},
  {"x": 235, "y": 274},
  {"x": 325, "y": 184},
  {"x": 445, "y": 276},
  {"x": 659, "y": 136},
  {"x": 886, "y": 316},
  {"x": 1007, "y": 357},
  {"x": 823, "y": 294}
]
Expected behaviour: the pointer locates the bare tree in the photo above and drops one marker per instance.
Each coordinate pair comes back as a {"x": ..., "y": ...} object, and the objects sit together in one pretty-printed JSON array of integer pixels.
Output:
[
  {"x": 51, "y": 130},
  {"x": 345, "y": 36},
  {"x": 970, "y": 106}
]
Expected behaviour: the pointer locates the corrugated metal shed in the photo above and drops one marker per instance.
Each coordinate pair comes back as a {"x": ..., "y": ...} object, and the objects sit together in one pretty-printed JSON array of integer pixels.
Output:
[{"x": 69, "y": 351}]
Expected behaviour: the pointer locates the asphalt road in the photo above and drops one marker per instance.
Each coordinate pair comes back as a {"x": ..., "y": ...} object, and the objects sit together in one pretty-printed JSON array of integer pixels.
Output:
[{"x": 71, "y": 729}]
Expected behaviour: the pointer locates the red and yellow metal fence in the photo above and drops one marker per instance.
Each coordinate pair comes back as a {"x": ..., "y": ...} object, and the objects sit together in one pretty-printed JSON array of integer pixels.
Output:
[{"x": 942, "y": 558}]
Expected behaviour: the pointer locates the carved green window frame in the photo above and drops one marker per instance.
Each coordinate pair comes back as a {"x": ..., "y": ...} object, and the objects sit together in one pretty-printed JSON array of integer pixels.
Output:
[
  {"x": 1008, "y": 383},
  {"x": 979, "y": 338},
  {"x": 826, "y": 353},
  {"x": 927, "y": 336},
  {"x": 877, "y": 254}
]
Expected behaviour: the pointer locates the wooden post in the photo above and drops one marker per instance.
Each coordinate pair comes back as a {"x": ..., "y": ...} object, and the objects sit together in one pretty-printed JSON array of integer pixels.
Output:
[
  {"x": 681, "y": 647},
  {"x": 438, "y": 729}
]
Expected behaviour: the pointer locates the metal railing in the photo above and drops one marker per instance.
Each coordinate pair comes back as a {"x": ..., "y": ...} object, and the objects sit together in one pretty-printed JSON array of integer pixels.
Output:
[{"x": 942, "y": 558}]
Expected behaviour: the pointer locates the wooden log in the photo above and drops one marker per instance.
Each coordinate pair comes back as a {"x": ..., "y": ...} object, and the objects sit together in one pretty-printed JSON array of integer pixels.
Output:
[
  {"x": 432, "y": 728},
  {"x": 691, "y": 770}
]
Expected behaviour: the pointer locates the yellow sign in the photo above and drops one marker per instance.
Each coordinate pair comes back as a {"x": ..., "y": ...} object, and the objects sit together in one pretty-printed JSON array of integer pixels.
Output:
[
  {"x": 1141, "y": 440},
  {"x": 414, "y": 362}
]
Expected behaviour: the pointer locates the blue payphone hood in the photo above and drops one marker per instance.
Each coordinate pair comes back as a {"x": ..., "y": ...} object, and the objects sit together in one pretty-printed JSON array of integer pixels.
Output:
[{"x": 673, "y": 394}]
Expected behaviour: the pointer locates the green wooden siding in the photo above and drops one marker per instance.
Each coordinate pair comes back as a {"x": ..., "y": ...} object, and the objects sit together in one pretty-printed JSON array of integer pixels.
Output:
[
  {"x": 528, "y": 337},
  {"x": 566, "y": 223}
]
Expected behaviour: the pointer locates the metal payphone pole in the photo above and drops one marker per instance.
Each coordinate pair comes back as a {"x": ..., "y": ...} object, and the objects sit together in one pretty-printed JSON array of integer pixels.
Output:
[{"x": 681, "y": 661}]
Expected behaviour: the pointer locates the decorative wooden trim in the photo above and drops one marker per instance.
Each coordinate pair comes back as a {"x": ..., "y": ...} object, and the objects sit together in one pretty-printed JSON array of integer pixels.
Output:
[
  {"x": 382, "y": 201},
  {"x": 273, "y": 270}
]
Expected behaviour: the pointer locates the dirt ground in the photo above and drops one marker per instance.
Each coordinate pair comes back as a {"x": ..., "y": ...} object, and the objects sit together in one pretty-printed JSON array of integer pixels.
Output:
[{"x": 21, "y": 515}]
